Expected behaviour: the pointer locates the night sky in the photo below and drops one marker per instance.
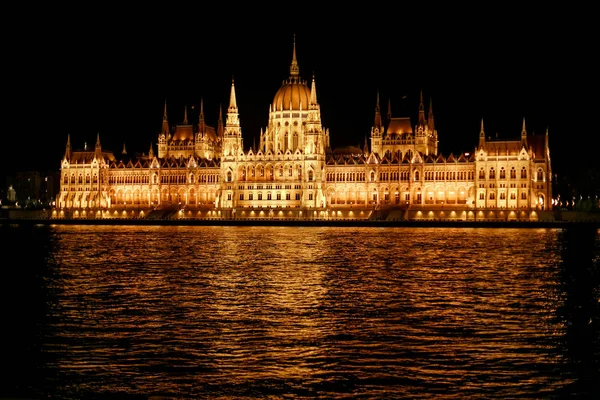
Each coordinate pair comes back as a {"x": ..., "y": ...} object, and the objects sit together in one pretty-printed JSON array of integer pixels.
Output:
[{"x": 110, "y": 74}]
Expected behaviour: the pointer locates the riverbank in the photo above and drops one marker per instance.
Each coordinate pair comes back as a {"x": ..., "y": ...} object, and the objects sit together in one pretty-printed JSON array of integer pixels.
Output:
[
  {"x": 547, "y": 219},
  {"x": 307, "y": 222}
]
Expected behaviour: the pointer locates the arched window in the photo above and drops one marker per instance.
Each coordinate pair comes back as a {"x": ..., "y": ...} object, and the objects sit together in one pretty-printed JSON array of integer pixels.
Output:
[
  {"x": 372, "y": 176},
  {"x": 502, "y": 173},
  {"x": 229, "y": 178},
  {"x": 523, "y": 173},
  {"x": 492, "y": 173},
  {"x": 310, "y": 176},
  {"x": 416, "y": 175},
  {"x": 540, "y": 175}
]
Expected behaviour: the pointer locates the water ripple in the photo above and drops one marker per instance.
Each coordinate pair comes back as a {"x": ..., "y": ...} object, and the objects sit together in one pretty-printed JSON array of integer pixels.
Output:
[{"x": 236, "y": 312}]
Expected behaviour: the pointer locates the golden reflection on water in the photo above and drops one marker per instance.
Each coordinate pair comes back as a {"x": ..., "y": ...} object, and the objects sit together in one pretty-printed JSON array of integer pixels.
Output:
[{"x": 317, "y": 312}]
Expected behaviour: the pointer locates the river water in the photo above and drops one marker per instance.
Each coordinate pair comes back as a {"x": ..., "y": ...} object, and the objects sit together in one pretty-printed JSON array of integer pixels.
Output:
[{"x": 168, "y": 312}]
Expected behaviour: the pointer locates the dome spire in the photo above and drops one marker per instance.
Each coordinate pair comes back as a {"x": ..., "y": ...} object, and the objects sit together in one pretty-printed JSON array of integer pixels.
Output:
[{"x": 294, "y": 69}]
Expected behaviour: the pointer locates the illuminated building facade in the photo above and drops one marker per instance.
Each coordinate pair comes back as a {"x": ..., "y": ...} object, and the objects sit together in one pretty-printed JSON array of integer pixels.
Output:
[{"x": 201, "y": 171}]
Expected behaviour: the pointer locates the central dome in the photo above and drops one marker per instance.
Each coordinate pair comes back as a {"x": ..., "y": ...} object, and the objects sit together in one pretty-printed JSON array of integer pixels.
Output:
[{"x": 291, "y": 95}]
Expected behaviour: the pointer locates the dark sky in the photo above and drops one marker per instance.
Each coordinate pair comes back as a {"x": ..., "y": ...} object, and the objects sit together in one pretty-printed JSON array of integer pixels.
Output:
[{"x": 110, "y": 73}]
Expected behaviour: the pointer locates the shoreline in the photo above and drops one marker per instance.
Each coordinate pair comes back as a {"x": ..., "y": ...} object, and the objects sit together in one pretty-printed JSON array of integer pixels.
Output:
[{"x": 306, "y": 222}]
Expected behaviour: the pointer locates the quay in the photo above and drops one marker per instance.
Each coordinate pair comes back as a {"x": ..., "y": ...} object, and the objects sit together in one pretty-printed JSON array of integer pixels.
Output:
[{"x": 389, "y": 218}]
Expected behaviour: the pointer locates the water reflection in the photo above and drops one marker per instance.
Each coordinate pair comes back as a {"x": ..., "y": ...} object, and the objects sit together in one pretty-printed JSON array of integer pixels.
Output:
[
  {"x": 232, "y": 312},
  {"x": 579, "y": 310}
]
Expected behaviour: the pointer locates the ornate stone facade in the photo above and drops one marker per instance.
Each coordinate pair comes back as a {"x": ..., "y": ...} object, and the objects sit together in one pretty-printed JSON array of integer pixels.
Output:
[{"x": 202, "y": 171}]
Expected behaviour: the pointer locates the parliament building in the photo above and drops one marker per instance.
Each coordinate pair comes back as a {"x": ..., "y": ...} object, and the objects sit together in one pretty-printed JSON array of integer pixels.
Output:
[{"x": 198, "y": 171}]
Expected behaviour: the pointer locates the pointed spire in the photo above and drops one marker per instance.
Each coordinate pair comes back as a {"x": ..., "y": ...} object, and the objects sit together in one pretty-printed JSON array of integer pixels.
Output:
[
  {"x": 430, "y": 122},
  {"x": 313, "y": 92},
  {"x": 185, "y": 119},
  {"x": 481, "y": 136},
  {"x": 98, "y": 149},
  {"x": 220, "y": 128},
  {"x": 232, "y": 100},
  {"x": 151, "y": 152},
  {"x": 294, "y": 69},
  {"x": 377, "y": 123},
  {"x": 124, "y": 152},
  {"x": 201, "y": 123},
  {"x": 165, "y": 122},
  {"x": 421, "y": 110},
  {"x": 68, "y": 147},
  {"x": 524, "y": 134}
]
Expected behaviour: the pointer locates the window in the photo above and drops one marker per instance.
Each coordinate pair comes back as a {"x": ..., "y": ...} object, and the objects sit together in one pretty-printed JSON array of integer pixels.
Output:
[
  {"x": 250, "y": 196},
  {"x": 481, "y": 196},
  {"x": 513, "y": 173},
  {"x": 540, "y": 175},
  {"x": 502, "y": 173},
  {"x": 502, "y": 196},
  {"x": 241, "y": 196},
  {"x": 288, "y": 196},
  {"x": 228, "y": 176},
  {"x": 513, "y": 196},
  {"x": 260, "y": 196},
  {"x": 278, "y": 196},
  {"x": 523, "y": 173},
  {"x": 310, "y": 196},
  {"x": 492, "y": 173},
  {"x": 297, "y": 196},
  {"x": 269, "y": 196},
  {"x": 523, "y": 196},
  {"x": 492, "y": 196},
  {"x": 481, "y": 174},
  {"x": 228, "y": 196}
]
